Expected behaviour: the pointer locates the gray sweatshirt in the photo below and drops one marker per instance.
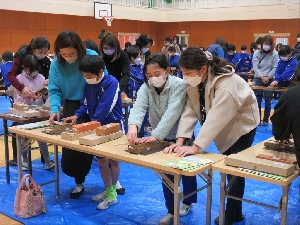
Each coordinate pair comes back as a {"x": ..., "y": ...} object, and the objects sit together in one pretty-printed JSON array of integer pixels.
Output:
[{"x": 265, "y": 64}]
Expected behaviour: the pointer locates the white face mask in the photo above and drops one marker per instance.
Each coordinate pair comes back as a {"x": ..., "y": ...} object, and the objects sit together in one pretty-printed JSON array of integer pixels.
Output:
[
  {"x": 298, "y": 39},
  {"x": 94, "y": 80},
  {"x": 144, "y": 50},
  {"x": 138, "y": 61},
  {"x": 109, "y": 52},
  {"x": 192, "y": 81},
  {"x": 266, "y": 48},
  {"x": 40, "y": 56},
  {"x": 183, "y": 49},
  {"x": 285, "y": 58},
  {"x": 243, "y": 52},
  {"x": 71, "y": 59},
  {"x": 157, "y": 81}
]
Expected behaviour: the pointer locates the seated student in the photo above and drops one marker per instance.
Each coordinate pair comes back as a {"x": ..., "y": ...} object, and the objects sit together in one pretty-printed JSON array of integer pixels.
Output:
[
  {"x": 173, "y": 58},
  {"x": 7, "y": 59},
  {"x": 285, "y": 68},
  {"x": 31, "y": 78},
  {"x": 136, "y": 72},
  {"x": 164, "y": 95},
  {"x": 101, "y": 101},
  {"x": 244, "y": 61},
  {"x": 226, "y": 107},
  {"x": 232, "y": 56}
]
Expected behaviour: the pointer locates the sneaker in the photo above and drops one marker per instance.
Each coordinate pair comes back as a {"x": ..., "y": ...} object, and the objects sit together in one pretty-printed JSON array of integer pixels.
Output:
[
  {"x": 166, "y": 220},
  {"x": 25, "y": 166},
  {"x": 13, "y": 162},
  {"x": 76, "y": 193},
  {"x": 107, "y": 203},
  {"x": 100, "y": 197},
  {"x": 238, "y": 218},
  {"x": 49, "y": 166},
  {"x": 184, "y": 209}
]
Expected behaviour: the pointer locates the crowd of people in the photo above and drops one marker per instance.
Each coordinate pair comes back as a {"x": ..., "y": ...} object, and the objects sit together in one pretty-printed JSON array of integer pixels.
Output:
[{"x": 183, "y": 85}]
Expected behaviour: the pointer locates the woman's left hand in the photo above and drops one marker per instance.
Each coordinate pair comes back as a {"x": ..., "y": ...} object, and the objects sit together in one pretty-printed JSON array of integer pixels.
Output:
[
  {"x": 186, "y": 150},
  {"x": 147, "y": 139},
  {"x": 46, "y": 82}
]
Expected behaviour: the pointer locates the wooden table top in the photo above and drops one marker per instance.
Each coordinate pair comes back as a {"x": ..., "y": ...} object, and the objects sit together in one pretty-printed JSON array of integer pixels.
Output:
[
  {"x": 253, "y": 151},
  {"x": 5, "y": 116},
  {"x": 119, "y": 152},
  {"x": 261, "y": 88},
  {"x": 245, "y": 74}
]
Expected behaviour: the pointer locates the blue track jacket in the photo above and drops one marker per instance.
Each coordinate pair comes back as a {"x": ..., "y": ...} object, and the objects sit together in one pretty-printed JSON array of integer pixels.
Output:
[
  {"x": 284, "y": 71},
  {"x": 136, "y": 79}
]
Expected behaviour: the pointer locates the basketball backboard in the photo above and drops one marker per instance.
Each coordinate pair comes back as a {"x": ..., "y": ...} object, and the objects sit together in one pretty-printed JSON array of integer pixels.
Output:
[{"x": 102, "y": 9}]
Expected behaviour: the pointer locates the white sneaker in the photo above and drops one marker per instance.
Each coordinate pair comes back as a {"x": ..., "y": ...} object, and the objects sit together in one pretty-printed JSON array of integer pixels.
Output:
[
  {"x": 166, "y": 220},
  {"x": 184, "y": 209},
  {"x": 107, "y": 203},
  {"x": 25, "y": 166},
  {"x": 100, "y": 197}
]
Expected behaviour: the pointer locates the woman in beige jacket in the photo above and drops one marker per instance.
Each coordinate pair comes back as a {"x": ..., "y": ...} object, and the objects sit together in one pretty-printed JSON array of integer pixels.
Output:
[{"x": 227, "y": 109}]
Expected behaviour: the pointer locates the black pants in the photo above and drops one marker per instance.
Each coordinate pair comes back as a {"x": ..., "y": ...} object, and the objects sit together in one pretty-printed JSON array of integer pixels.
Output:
[
  {"x": 73, "y": 163},
  {"x": 233, "y": 206}
]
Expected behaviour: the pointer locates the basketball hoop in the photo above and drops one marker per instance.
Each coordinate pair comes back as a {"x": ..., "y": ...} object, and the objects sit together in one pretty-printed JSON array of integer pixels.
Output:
[{"x": 108, "y": 20}]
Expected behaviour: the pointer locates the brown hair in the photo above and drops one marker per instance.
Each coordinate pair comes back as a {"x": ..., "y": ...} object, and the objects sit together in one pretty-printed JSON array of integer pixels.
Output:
[
  {"x": 67, "y": 39},
  {"x": 112, "y": 41},
  {"x": 269, "y": 40}
]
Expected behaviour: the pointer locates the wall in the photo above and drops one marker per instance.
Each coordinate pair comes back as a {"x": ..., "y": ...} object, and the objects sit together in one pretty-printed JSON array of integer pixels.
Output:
[{"x": 17, "y": 28}]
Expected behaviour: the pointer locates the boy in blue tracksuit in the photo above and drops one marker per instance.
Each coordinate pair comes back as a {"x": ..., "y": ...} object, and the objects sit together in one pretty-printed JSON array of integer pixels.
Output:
[
  {"x": 232, "y": 56},
  {"x": 173, "y": 59},
  {"x": 102, "y": 102},
  {"x": 244, "y": 61},
  {"x": 136, "y": 72}
]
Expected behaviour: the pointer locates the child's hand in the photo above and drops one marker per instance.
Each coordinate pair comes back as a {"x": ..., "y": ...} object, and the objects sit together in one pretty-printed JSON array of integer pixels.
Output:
[
  {"x": 46, "y": 82},
  {"x": 71, "y": 118},
  {"x": 132, "y": 134},
  {"x": 38, "y": 96},
  {"x": 148, "y": 139},
  {"x": 53, "y": 116},
  {"x": 27, "y": 92}
]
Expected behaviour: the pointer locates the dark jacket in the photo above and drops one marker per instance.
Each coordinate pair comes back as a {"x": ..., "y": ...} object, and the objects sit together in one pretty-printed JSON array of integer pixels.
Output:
[
  {"x": 120, "y": 69},
  {"x": 286, "y": 120}
]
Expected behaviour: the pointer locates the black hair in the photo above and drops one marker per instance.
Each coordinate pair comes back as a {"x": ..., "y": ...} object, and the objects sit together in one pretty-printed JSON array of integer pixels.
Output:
[
  {"x": 285, "y": 50},
  {"x": 278, "y": 46},
  {"x": 171, "y": 49},
  {"x": 220, "y": 41},
  {"x": 259, "y": 40},
  {"x": 143, "y": 40},
  {"x": 295, "y": 80},
  {"x": 91, "y": 64},
  {"x": 30, "y": 62},
  {"x": 231, "y": 47},
  {"x": 8, "y": 56},
  {"x": 155, "y": 58},
  {"x": 253, "y": 45},
  {"x": 67, "y": 39},
  {"x": 184, "y": 45},
  {"x": 38, "y": 43},
  {"x": 194, "y": 58},
  {"x": 177, "y": 38},
  {"x": 132, "y": 52},
  {"x": 298, "y": 35},
  {"x": 102, "y": 32},
  {"x": 243, "y": 47},
  {"x": 128, "y": 44},
  {"x": 167, "y": 39},
  {"x": 88, "y": 43}
]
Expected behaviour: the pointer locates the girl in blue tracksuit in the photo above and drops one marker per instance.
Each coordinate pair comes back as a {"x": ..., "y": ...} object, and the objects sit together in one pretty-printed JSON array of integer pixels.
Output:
[
  {"x": 102, "y": 102},
  {"x": 232, "y": 56},
  {"x": 285, "y": 68}
]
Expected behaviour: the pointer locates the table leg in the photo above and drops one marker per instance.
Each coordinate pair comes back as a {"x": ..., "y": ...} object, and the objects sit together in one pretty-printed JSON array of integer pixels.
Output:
[
  {"x": 29, "y": 161},
  {"x": 19, "y": 158},
  {"x": 209, "y": 197},
  {"x": 284, "y": 203},
  {"x": 5, "y": 135},
  {"x": 56, "y": 171},
  {"x": 126, "y": 116},
  {"x": 222, "y": 199},
  {"x": 177, "y": 193}
]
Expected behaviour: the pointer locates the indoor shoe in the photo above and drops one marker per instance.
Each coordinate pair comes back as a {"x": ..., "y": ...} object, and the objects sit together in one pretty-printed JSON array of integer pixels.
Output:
[
  {"x": 263, "y": 124},
  {"x": 184, "y": 209},
  {"x": 166, "y": 220},
  {"x": 77, "y": 192},
  {"x": 107, "y": 203},
  {"x": 100, "y": 197},
  {"x": 120, "y": 191},
  {"x": 13, "y": 162},
  {"x": 25, "y": 166},
  {"x": 238, "y": 218},
  {"x": 49, "y": 166}
]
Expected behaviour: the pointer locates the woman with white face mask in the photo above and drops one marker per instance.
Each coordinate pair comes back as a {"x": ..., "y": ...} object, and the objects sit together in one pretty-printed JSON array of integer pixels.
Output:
[
  {"x": 264, "y": 64},
  {"x": 66, "y": 85},
  {"x": 143, "y": 44},
  {"x": 285, "y": 68},
  {"x": 115, "y": 59},
  {"x": 226, "y": 107},
  {"x": 164, "y": 96}
]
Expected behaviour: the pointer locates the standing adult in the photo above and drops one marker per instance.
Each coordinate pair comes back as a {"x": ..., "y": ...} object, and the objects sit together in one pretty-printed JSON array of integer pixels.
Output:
[
  {"x": 265, "y": 62},
  {"x": 212, "y": 89},
  {"x": 167, "y": 43},
  {"x": 38, "y": 46},
  {"x": 115, "y": 59},
  {"x": 66, "y": 85}
]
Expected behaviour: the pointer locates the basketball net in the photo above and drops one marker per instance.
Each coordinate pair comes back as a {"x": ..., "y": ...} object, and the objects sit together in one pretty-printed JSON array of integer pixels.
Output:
[{"x": 108, "y": 20}]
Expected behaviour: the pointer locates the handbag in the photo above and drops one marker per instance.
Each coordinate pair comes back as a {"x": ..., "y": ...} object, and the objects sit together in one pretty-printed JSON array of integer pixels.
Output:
[{"x": 29, "y": 201}]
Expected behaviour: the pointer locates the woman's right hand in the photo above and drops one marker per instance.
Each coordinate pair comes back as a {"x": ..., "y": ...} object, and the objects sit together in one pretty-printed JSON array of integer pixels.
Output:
[
  {"x": 171, "y": 148},
  {"x": 27, "y": 92},
  {"x": 132, "y": 134},
  {"x": 53, "y": 116}
]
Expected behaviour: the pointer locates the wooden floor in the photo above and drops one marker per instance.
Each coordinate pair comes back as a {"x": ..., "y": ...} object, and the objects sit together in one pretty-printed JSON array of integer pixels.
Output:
[{"x": 35, "y": 154}]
